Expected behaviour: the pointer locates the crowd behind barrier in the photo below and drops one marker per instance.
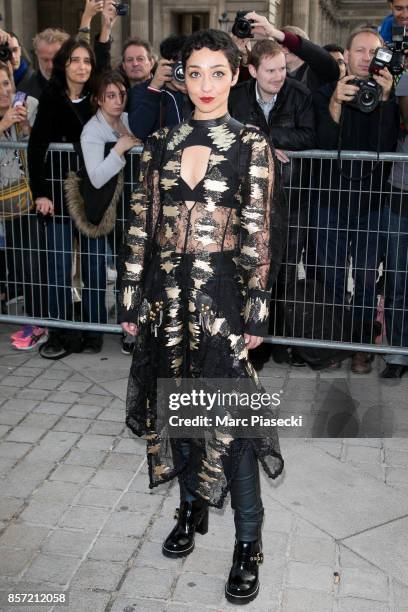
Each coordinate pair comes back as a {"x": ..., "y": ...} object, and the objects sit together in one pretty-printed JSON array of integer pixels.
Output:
[{"x": 305, "y": 312}]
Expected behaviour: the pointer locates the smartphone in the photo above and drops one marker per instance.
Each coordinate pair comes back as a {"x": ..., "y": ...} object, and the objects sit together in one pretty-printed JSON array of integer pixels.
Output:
[
  {"x": 19, "y": 98},
  {"x": 122, "y": 9}
]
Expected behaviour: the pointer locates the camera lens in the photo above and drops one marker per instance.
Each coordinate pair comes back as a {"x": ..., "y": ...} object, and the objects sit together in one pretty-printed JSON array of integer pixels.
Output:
[
  {"x": 178, "y": 72},
  {"x": 242, "y": 28}
]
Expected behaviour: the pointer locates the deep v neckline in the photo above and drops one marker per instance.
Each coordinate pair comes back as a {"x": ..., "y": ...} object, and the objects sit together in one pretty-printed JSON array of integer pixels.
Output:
[{"x": 198, "y": 184}]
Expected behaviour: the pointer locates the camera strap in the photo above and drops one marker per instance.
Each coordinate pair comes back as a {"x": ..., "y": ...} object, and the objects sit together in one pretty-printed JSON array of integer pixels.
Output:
[{"x": 339, "y": 149}]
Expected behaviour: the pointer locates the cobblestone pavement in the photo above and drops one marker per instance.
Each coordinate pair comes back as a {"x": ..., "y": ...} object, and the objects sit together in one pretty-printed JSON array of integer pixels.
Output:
[{"x": 76, "y": 512}]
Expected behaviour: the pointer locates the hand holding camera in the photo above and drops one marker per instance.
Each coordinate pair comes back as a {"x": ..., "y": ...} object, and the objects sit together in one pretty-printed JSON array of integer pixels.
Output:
[
  {"x": 163, "y": 74},
  {"x": 92, "y": 8},
  {"x": 13, "y": 115}
]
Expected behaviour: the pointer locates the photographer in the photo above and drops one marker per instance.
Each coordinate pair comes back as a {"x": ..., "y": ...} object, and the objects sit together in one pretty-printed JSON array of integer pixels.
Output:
[
  {"x": 347, "y": 219},
  {"x": 305, "y": 61},
  {"x": 399, "y": 17},
  {"x": 161, "y": 101},
  {"x": 22, "y": 70}
]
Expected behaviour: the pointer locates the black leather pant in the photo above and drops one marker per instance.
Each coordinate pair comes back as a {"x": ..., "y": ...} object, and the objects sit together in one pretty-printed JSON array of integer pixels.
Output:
[{"x": 245, "y": 494}]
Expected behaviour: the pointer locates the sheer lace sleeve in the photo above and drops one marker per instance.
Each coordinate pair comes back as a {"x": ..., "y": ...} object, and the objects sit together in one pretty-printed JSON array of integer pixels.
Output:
[
  {"x": 143, "y": 214},
  {"x": 255, "y": 254}
]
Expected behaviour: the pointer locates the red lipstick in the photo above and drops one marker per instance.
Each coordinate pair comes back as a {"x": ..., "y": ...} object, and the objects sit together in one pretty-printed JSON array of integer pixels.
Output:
[{"x": 206, "y": 100}]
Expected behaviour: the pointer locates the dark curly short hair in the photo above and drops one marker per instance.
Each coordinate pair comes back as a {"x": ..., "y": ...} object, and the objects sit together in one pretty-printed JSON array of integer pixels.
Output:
[
  {"x": 215, "y": 40},
  {"x": 170, "y": 47}
]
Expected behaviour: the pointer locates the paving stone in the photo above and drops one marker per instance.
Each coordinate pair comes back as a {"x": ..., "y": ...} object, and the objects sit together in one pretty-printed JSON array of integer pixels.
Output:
[
  {"x": 4, "y": 429},
  {"x": 16, "y": 381},
  {"x": 307, "y": 576},
  {"x": 363, "y": 454},
  {"x": 20, "y": 535},
  {"x": 34, "y": 394},
  {"x": 46, "y": 384},
  {"x": 121, "y": 524},
  {"x": 8, "y": 392},
  {"x": 83, "y": 457},
  {"x": 54, "y": 374},
  {"x": 67, "y": 397},
  {"x": 115, "y": 549},
  {"x": 131, "y": 446},
  {"x": 67, "y": 542},
  {"x": 30, "y": 372},
  {"x": 363, "y": 584},
  {"x": 396, "y": 457},
  {"x": 52, "y": 408},
  {"x": 103, "y": 498},
  {"x": 94, "y": 442},
  {"x": 324, "y": 501},
  {"x": 143, "y": 582},
  {"x": 98, "y": 575},
  {"x": 133, "y": 604},
  {"x": 72, "y": 473},
  {"x": 5, "y": 465},
  {"x": 55, "y": 491},
  {"x": 396, "y": 444},
  {"x": 42, "y": 512},
  {"x": 20, "y": 405},
  {"x": 20, "y": 488},
  {"x": 351, "y": 604},
  {"x": 313, "y": 550},
  {"x": 386, "y": 547},
  {"x": 397, "y": 476},
  {"x": 51, "y": 568},
  {"x": 204, "y": 561},
  {"x": 25, "y": 434},
  {"x": 9, "y": 417},
  {"x": 112, "y": 414},
  {"x": 193, "y": 587},
  {"x": 112, "y": 479},
  {"x": 122, "y": 461},
  {"x": 41, "y": 421},
  {"x": 14, "y": 450},
  {"x": 36, "y": 472},
  {"x": 56, "y": 444},
  {"x": 13, "y": 562},
  {"x": 74, "y": 425},
  {"x": 85, "y": 518},
  {"x": 106, "y": 428},
  {"x": 84, "y": 411},
  {"x": 302, "y": 600},
  {"x": 140, "y": 502},
  {"x": 96, "y": 400},
  {"x": 73, "y": 385},
  {"x": 84, "y": 601}
]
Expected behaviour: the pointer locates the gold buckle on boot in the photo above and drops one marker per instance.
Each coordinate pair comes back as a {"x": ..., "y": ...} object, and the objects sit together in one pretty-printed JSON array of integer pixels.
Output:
[{"x": 258, "y": 558}]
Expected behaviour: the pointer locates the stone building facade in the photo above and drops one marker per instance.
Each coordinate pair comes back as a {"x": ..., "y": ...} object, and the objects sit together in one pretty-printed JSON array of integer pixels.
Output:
[{"x": 324, "y": 20}]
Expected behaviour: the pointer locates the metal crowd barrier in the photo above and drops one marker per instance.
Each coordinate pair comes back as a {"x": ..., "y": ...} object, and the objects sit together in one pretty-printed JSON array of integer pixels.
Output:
[{"x": 343, "y": 282}]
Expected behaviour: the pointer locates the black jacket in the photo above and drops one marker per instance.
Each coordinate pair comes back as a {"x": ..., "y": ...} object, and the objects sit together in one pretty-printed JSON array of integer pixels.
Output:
[
  {"x": 291, "y": 124},
  {"x": 319, "y": 68},
  {"x": 150, "y": 110},
  {"x": 35, "y": 85},
  {"x": 359, "y": 132},
  {"x": 58, "y": 120}
]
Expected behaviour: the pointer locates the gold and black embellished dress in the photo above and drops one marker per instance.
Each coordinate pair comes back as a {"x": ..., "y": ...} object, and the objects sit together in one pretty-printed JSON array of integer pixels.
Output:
[{"x": 194, "y": 280}]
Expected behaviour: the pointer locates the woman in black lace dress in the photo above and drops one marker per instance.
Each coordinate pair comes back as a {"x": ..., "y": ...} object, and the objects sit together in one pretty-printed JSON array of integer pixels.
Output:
[{"x": 195, "y": 289}]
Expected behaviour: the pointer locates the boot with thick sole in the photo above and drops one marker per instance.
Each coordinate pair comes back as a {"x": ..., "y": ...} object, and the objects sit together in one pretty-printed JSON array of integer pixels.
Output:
[
  {"x": 191, "y": 517},
  {"x": 243, "y": 582}
]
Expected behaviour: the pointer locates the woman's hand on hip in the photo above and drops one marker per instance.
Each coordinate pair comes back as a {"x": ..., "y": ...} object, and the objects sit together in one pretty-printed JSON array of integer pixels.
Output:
[
  {"x": 44, "y": 206},
  {"x": 130, "y": 328},
  {"x": 252, "y": 342}
]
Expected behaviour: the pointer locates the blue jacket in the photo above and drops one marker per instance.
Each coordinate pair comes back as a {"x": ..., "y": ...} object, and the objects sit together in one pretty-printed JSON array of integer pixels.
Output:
[
  {"x": 145, "y": 106},
  {"x": 385, "y": 28}
]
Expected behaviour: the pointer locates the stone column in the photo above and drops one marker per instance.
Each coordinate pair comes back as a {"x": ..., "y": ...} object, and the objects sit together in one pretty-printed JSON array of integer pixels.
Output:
[
  {"x": 314, "y": 21},
  {"x": 300, "y": 14},
  {"x": 139, "y": 21}
]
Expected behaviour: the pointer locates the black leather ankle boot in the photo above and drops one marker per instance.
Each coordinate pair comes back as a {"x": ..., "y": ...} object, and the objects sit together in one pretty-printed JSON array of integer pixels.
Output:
[
  {"x": 243, "y": 583},
  {"x": 191, "y": 517}
]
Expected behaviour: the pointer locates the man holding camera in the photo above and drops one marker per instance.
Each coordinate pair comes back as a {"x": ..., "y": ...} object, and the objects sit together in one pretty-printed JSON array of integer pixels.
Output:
[
  {"x": 357, "y": 113},
  {"x": 161, "y": 101}
]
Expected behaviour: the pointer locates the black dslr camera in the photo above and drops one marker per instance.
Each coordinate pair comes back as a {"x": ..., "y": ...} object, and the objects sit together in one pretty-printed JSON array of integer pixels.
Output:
[
  {"x": 122, "y": 8},
  {"x": 242, "y": 27},
  {"x": 177, "y": 71},
  {"x": 5, "y": 53},
  {"x": 368, "y": 96}
]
